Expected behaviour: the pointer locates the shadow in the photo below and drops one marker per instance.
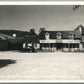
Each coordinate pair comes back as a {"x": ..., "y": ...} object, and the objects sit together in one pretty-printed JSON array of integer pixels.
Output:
[{"x": 6, "y": 62}]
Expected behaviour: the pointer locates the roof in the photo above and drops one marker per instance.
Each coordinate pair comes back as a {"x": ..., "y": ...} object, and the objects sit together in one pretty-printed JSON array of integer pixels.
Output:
[
  {"x": 5, "y": 37},
  {"x": 21, "y": 36},
  {"x": 31, "y": 38},
  {"x": 65, "y": 34},
  {"x": 17, "y": 32},
  {"x": 11, "y": 39},
  {"x": 16, "y": 40}
]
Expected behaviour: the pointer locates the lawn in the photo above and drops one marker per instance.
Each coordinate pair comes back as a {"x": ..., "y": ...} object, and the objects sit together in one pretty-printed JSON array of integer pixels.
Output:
[{"x": 42, "y": 66}]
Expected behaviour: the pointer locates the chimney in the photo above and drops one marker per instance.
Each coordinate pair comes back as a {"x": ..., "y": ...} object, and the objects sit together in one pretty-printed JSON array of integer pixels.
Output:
[
  {"x": 32, "y": 31},
  {"x": 42, "y": 29}
]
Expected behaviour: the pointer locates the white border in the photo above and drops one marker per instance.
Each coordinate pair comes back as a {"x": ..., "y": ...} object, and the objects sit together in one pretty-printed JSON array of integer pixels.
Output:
[
  {"x": 41, "y": 3},
  {"x": 41, "y": 81}
]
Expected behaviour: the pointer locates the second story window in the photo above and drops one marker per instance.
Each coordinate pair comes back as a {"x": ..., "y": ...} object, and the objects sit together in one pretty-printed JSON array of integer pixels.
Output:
[
  {"x": 14, "y": 35},
  {"x": 47, "y": 36},
  {"x": 58, "y": 35},
  {"x": 71, "y": 35}
]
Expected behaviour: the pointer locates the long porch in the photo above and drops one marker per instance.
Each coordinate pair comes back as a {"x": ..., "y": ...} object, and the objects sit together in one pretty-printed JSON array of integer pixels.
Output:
[{"x": 59, "y": 47}]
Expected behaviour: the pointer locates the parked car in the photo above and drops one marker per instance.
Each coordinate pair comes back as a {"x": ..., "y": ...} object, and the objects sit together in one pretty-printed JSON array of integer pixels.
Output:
[{"x": 28, "y": 49}]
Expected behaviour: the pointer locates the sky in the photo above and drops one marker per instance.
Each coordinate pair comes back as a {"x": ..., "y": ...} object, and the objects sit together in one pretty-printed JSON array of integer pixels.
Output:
[{"x": 50, "y": 17}]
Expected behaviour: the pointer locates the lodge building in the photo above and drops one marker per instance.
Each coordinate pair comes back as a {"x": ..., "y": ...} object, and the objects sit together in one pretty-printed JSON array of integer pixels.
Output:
[
  {"x": 45, "y": 41},
  {"x": 62, "y": 40}
]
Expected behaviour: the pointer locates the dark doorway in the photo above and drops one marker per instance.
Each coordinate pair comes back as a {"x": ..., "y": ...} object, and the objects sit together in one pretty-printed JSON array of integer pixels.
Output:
[{"x": 59, "y": 46}]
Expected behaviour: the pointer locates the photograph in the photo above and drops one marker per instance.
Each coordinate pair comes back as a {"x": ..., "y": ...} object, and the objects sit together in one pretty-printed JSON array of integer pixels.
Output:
[{"x": 42, "y": 42}]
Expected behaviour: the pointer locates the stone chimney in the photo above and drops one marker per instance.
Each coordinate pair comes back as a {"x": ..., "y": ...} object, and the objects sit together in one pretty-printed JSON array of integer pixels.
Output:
[{"x": 42, "y": 30}]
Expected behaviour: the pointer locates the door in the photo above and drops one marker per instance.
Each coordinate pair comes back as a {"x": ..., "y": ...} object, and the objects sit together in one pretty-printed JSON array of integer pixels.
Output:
[{"x": 59, "y": 46}]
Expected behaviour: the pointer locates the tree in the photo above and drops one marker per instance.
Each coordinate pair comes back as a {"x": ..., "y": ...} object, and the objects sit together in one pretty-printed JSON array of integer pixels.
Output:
[{"x": 76, "y": 7}]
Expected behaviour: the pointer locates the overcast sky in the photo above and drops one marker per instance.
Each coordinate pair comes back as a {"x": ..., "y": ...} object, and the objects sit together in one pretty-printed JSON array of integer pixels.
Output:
[{"x": 49, "y": 17}]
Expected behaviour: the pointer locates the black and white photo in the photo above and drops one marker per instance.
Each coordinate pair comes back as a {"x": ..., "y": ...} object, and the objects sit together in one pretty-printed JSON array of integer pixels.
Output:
[{"x": 42, "y": 42}]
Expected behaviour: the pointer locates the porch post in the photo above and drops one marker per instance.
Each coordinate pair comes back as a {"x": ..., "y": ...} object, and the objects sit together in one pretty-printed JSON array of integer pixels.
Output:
[
  {"x": 72, "y": 47},
  {"x": 43, "y": 47},
  {"x": 81, "y": 46},
  {"x": 49, "y": 47},
  {"x": 68, "y": 46}
]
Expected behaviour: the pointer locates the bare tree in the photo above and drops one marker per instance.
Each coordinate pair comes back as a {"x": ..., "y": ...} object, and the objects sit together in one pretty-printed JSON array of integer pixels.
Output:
[{"x": 76, "y": 7}]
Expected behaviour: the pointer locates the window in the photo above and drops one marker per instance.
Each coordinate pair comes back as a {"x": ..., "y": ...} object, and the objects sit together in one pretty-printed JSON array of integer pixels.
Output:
[
  {"x": 58, "y": 35},
  {"x": 35, "y": 45},
  {"x": 65, "y": 45},
  {"x": 76, "y": 45},
  {"x": 71, "y": 35},
  {"x": 29, "y": 44},
  {"x": 54, "y": 45},
  {"x": 24, "y": 45},
  {"x": 73, "y": 45},
  {"x": 44, "y": 45},
  {"x": 51, "y": 45},
  {"x": 47, "y": 36},
  {"x": 14, "y": 35}
]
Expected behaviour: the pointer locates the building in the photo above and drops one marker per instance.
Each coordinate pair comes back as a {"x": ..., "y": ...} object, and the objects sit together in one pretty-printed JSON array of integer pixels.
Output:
[
  {"x": 18, "y": 40},
  {"x": 47, "y": 41},
  {"x": 16, "y": 43},
  {"x": 62, "y": 40},
  {"x": 31, "y": 41},
  {"x": 10, "y": 43}
]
